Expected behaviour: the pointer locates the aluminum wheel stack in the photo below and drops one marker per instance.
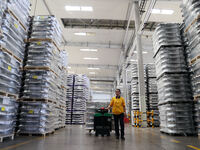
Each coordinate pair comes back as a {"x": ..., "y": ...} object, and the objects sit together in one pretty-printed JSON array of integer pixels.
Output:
[
  {"x": 13, "y": 32},
  {"x": 152, "y": 93},
  {"x": 174, "y": 92},
  {"x": 42, "y": 84},
  {"x": 135, "y": 88},
  {"x": 191, "y": 15}
]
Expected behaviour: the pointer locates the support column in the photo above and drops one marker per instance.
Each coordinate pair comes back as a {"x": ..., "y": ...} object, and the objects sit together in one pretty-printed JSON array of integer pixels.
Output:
[{"x": 142, "y": 101}]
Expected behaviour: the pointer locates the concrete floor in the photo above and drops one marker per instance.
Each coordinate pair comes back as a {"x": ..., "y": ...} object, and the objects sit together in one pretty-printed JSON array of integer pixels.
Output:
[{"x": 76, "y": 138}]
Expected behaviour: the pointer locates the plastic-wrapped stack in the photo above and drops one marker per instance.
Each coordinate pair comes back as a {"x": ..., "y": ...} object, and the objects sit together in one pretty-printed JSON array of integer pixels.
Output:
[
  {"x": 174, "y": 91},
  {"x": 90, "y": 111},
  {"x": 78, "y": 94},
  {"x": 81, "y": 96},
  {"x": 135, "y": 88},
  {"x": 190, "y": 11},
  {"x": 13, "y": 32},
  {"x": 152, "y": 92},
  {"x": 42, "y": 90},
  {"x": 69, "y": 96}
]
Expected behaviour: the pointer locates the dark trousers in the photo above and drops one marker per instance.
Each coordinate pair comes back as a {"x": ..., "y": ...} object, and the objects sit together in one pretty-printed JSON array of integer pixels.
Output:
[{"x": 117, "y": 119}]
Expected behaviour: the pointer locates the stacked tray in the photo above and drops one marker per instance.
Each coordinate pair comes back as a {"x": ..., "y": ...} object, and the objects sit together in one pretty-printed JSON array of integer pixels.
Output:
[
  {"x": 173, "y": 80},
  {"x": 12, "y": 47},
  {"x": 8, "y": 111},
  {"x": 176, "y": 118},
  {"x": 77, "y": 95},
  {"x": 37, "y": 118},
  {"x": 44, "y": 75},
  {"x": 152, "y": 93},
  {"x": 135, "y": 88},
  {"x": 190, "y": 11},
  {"x": 90, "y": 111}
]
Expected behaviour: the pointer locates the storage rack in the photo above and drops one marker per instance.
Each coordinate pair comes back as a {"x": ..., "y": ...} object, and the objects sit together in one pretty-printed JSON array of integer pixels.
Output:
[
  {"x": 13, "y": 31},
  {"x": 174, "y": 90},
  {"x": 191, "y": 33}
]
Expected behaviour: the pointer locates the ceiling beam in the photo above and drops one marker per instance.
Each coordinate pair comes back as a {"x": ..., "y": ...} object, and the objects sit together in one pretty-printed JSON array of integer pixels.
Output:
[
  {"x": 108, "y": 45},
  {"x": 112, "y": 67},
  {"x": 101, "y": 79},
  {"x": 110, "y": 24}
]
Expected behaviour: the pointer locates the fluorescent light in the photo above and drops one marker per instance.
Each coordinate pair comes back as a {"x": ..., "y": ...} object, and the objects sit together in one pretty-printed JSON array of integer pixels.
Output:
[
  {"x": 94, "y": 68},
  {"x": 89, "y": 58},
  {"x": 92, "y": 73},
  {"x": 80, "y": 33},
  {"x": 85, "y": 33},
  {"x": 69, "y": 67},
  {"x": 142, "y": 52},
  {"x": 72, "y": 8},
  {"x": 162, "y": 11},
  {"x": 167, "y": 12},
  {"x": 86, "y": 8},
  {"x": 133, "y": 60},
  {"x": 88, "y": 50},
  {"x": 155, "y": 11}
]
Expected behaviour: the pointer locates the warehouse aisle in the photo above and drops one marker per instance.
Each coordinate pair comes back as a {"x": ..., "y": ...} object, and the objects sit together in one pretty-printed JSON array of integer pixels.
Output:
[{"x": 75, "y": 138}]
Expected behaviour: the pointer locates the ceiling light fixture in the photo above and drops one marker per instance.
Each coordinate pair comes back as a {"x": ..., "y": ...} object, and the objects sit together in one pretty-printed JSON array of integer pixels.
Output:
[
  {"x": 94, "y": 68},
  {"x": 81, "y": 33},
  {"x": 91, "y": 58},
  {"x": 86, "y": 8},
  {"x": 144, "y": 52},
  {"x": 133, "y": 60},
  {"x": 162, "y": 11},
  {"x": 85, "y": 33},
  {"x": 88, "y": 50},
  {"x": 72, "y": 8}
]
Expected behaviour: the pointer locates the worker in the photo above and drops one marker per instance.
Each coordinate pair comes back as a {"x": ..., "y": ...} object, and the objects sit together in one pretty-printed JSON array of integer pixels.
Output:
[{"x": 119, "y": 111}]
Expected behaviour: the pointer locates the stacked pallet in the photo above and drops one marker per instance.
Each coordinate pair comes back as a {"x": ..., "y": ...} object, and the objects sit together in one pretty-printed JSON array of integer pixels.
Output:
[
  {"x": 152, "y": 95},
  {"x": 69, "y": 97},
  {"x": 174, "y": 92},
  {"x": 81, "y": 96},
  {"x": 42, "y": 88},
  {"x": 191, "y": 32},
  {"x": 13, "y": 31},
  {"x": 90, "y": 111},
  {"x": 78, "y": 93},
  {"x": 135, "y": 88}
]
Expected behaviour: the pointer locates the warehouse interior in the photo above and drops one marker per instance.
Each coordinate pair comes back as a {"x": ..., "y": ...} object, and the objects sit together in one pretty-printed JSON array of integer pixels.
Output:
[{"x": 61, "y": 63}]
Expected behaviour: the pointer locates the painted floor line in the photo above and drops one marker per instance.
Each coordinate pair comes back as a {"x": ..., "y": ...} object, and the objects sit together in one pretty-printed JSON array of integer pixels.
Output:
[
  {"x": 20, "y": 144},
  {"x": 193, "y": 147},
  {"x": 175, "y": 141}
]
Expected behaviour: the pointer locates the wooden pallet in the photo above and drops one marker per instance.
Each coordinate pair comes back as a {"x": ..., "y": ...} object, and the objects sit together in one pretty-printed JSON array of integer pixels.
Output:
[
  {"x": 3, "y": 93},
  {"x": 37, "y": 100},
  {"x": 178, "y": 134},
  {"x": 194, "y": 59},
  {"x": 15, "y": 16},
  {"x": 10, "y": 53},
  {"x": 196, "y": 97},
  {"x": 193, "y": 22},
  {"x": 37, "y": 134},
  {"x": 40, "y": 68},
  {"x": 42, "y": 40},
  {"x": 6, "y": 136}
]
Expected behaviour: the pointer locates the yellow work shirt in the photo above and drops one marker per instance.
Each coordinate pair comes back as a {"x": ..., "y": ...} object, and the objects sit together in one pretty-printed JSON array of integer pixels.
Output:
[{"x": 117, "y": 105}]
